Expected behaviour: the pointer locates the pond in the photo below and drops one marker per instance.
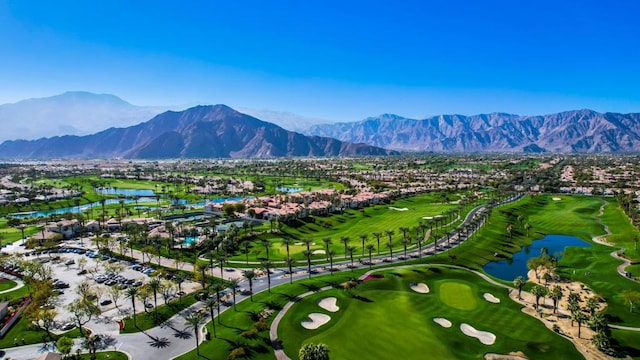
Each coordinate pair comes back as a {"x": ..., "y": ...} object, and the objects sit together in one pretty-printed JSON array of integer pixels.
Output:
[
  {"x": 71, "y": 209},
  {"x": 517, "y": 266},
  {"x": 289, "y": 189}
]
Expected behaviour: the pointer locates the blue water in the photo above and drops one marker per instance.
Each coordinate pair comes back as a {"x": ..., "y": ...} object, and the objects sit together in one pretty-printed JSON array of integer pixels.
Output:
[
  {"x": 289, "y": 189},
  {"x": 190, "y": 239},
  {"x": 511, "y": 268},
  {"x": 72, "y": 209},
  {"x": 220, "y": 200},
  {"x": 125, "y": 192}
]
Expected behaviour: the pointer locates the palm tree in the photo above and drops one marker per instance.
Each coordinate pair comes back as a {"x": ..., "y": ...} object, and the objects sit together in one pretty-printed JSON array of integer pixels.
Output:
[
  {"x": 580, "y": 318},
  {"x": 519, "y": 283},
  {"x": 194, "y": 321},
  {"x": 307, "y": 255},
  {"x": 351, "y": 250},
  {"x": 266, "y": 243},
  {"x": 389, "y": 234},
  {"x": 555, "y": 294},
  {"x": 132, "y": 293},
  {"x": 211, "y": 303},
  {"x": 155, "y": 285},
  {"x": 246, "y": 245},
  {"x": 327, "y": 242},
  {"x": 290, "y": 263},
  {"x": 217, "y": 287},
  {"x": 527, "y": 226},
  {"x": 287, "y": 242},
  {"x": 331, "y": 254},
  {"x": 370, "y": 248},
  {"x": 377, "y": 235},
  {"x": 405, "y": 241},
  {"x": 390, "y": 246},
  {"x": 345, "y": 241},
  {"x": 363, "y": 238},
  {"x": 308, "y": 243},
  {"x": 266, "y": 265},
  {"x": 233, "y": 284},
  {"x": 539, "y": 292},
  {"x": 510, "y": 231},
  {"x": 250, "y": 275},
  {"x": 314, "y": 352}
]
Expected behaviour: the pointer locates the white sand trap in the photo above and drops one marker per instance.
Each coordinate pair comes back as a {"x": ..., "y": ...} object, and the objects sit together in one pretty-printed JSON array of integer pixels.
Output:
[
  {"x": 442, "y": 322},
  {"x": 427, "y": 217},
  {"x": 490, "y": 298},
  {"x": 329, "y": 304},
  {"x": 421, "y": 288},
  {"x": 301, "y": 244},
  {"x": 397, "y": 209},
  {"x": 318, "y": 252},
  {"x": 485, "y": 337},
  {"x": 556, "y": 199},
  {"x": 316, "y": 320}
]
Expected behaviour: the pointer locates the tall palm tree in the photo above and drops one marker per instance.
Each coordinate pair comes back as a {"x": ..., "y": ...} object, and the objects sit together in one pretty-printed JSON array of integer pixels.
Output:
[
  {"x": 345, "y": 241},
  {"x": 217, "y": 287},
  {"x": 555, "y": 294},
  {"x": 155, "y": 285},
  {"x": 246, "y": 244},
  {"x": 267, "y": 265},
  {"x": 211, "y": 304},
  {"x": 233, "y": 284},
  {"x": 377, "y": 235},
  {"x": 194, "y": 321},
  {"x": 519, "y": 282},
  {"x": 132, "y": 293},
  {"x": 363, "y": 238},
  {"x": 287, "y": 242},
  {"x": 331, "y": 254},
  {"x": 327, "y": 242},
  {"x": 403, "y": 230},
  {"x": 351, "y": 250},
  {"x": 266, "y": 243},
  {"x": 390, "y": 246},
  {"x": 370, "y": 248},
  {"x": 389, "y": 233},
  {"x": 307, "y": 255},
  {"x": 308, "y": 243},
  {"x": 250, "y": 275},
  {"x": 290, "y": 264}
]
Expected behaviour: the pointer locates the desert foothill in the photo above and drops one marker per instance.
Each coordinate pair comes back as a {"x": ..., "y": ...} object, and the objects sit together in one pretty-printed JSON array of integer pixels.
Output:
[{"x": 300, "y": 180}]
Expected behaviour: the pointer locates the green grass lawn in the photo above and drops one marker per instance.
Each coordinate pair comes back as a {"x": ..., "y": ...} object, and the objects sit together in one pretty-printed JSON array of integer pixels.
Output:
[
  {"x": 31, "y": 335},
  {"x": 107, "y": 355},
  {"x": 6, "y": 284},
  {"x": 386, "y": 317}
]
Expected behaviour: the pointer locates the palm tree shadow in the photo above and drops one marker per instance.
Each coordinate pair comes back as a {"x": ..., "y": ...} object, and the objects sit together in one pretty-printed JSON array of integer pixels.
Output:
[
  {"x": 182, "y": 334},
  {"x": 362, "y": 298},
  {"x": 159, "y": 342}
]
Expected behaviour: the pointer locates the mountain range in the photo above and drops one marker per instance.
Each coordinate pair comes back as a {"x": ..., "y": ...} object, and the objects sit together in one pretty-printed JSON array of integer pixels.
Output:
[
  {"x": 70, "y": 113},
  {"x": 215, "y": 131},
  {"x": 581, "y": 131}
]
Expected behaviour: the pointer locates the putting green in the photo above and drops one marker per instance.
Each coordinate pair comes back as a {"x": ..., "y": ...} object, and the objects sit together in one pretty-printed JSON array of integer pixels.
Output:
[
  {"x": 457, "y": 295},
  {"x": 384, "y": 318}
]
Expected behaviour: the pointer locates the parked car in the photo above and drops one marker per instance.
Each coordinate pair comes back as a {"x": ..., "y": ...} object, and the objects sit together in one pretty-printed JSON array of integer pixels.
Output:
[{"x": 105, "y": 302}]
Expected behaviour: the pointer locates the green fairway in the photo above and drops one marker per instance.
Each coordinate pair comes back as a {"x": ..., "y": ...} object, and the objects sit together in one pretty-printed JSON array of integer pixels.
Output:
[
  {"x": 386, "y": 307},
  {"x": 6, "y": 284}
]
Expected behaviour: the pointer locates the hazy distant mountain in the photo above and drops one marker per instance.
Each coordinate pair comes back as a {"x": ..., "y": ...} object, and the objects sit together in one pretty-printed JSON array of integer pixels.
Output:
[
  {"x": 71, "y": 113},
  {"x": 582, "y": 131},
  {"x": 286, "y": 120},
  {"x": 198, "y": 132}
]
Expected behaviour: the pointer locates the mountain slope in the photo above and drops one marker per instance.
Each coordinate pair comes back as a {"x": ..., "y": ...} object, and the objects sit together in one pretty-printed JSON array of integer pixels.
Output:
[
  {"x": 583, "y": 131},
  {"x": 74, "y": 112},
  {"x": 202, "y": 131}
]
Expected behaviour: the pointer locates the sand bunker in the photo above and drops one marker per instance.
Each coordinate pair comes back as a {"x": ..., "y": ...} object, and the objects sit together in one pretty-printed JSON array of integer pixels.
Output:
[
  {"x": 329, "y": 304},
  {"x": 316, "y": 320},
  {"x": 397, "y": 209},
  {"x": 485, "y": 337},
  {"x": 318, "y": 252},
  {"x": 301, "y": 243},
  {"x": 442, "y": 322},
  {"x": 420, "y": 288},
  {"x": 556, "y": 199},
  {"x": 490, "y": 298},
  {"x": 427, "y": 217}
]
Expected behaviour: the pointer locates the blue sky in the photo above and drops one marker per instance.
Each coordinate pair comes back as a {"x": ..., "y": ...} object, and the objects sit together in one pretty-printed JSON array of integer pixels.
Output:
[{"x": 338, "y": 60}]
